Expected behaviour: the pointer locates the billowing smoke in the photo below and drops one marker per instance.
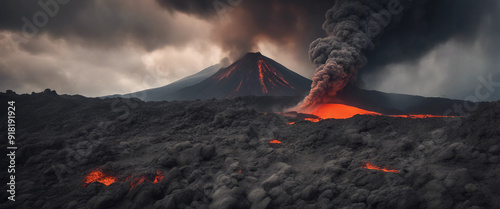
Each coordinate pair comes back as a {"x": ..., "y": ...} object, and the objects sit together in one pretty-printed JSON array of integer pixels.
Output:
[
  {"x": 241, "y": 25},
  {"x": 351, "y": 26}
]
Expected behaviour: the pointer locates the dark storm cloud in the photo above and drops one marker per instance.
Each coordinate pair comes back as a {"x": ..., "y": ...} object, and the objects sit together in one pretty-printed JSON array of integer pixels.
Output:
[
  {"x": 424, "y": 25},
  {"x": 96, "y": 23},
  {"x": 430, "y": 23},
  {"x": 283, "y": 22},
  {"x": 201, "y": 8},
  {"x": 451, "y": 42}
]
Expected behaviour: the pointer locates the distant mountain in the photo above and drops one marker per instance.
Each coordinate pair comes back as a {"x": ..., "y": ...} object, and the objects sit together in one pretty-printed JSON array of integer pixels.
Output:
[
  {"x": 252, "y": 75},
  {"x": 394, "y": 104},
  {"x": 162, "y": 93}
]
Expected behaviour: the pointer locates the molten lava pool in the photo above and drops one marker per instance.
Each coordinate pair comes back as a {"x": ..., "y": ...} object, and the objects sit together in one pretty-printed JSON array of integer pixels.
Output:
[{"x": 341, "y": 111}]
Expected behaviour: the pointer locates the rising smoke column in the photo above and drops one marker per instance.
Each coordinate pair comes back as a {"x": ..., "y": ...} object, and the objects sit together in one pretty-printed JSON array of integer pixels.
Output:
[{"x": 351, "y": 25}]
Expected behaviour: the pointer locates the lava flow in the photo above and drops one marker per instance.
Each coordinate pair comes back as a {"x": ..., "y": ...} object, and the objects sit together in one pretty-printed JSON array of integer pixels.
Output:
[
  {"x": 99, "y": 176},
  {"x": 158, "y": 177},
  {"x": 372, "y": 167},
  {"x": 141, "y": 179},
  {"x": 341, "y": 111},
  {"x": 274, "y": 141}
]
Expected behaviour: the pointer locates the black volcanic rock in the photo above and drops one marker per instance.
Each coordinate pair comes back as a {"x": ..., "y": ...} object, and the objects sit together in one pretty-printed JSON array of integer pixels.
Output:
[{"x": 61, "y": 139}]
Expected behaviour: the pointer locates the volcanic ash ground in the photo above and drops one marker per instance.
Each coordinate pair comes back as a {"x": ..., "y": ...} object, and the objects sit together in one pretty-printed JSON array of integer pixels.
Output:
[{"x": 76, "y": 152}]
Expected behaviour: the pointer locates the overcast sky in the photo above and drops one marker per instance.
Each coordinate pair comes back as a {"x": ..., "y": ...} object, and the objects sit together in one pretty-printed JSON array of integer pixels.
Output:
[{"x": 103, "y": 47}]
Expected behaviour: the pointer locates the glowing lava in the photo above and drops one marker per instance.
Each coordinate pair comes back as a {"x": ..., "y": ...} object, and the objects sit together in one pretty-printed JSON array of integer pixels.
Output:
[
  {"x": 314, "y": 120},
  {"x": 261, "y": 76},
  {"x": 158, "y": 177},
  {"x": 137, "y": 181},
  {"x": 99, "y": 176},
  {"x": 341, "y": 111},
  {"x": 141, "y": 179},
  {"x": 274, "y": 141},
  {"x": 291, "y": 123},
  {"x": 227, "y": 73},
  {"x": 372, "y": 167}
]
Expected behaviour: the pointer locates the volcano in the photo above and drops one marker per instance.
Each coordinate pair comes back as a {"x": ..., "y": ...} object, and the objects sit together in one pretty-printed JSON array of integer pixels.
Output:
[
  {"x": 252, "y": 75},
  {"x": 162, "y": 93}
]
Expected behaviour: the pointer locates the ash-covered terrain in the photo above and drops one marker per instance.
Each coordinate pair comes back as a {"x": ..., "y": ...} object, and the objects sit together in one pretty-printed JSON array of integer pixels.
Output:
[{"x": 217, "y": 154}]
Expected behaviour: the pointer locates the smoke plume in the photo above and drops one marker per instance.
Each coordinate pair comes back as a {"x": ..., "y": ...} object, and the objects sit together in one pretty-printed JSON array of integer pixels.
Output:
[{"x": 351, "y": 27}]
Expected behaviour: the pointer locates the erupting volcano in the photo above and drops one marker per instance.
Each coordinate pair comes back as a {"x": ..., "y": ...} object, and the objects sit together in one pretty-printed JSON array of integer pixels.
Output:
[{"x": 253, "y": 74}]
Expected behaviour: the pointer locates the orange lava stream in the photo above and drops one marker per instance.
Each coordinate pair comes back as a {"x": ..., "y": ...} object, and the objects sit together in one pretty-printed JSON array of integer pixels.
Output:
[
  {"x": 340, "y": 111},
  {"x": 237, "y": 89},
  {"x": 372, "y": 167},
  {"x": 261, "y": 76},
  {"x": 99, "y": 176},
  {"x": 278, "y": 76},
  {"x": 274, "y": 141},
  {"x": 291, "y": 123},
  {"x": 314, "y": 120},
  {"x": 142, "y": 179},
  {"x": 158, "y": 178},
  {"x": 227, "y": 73}
]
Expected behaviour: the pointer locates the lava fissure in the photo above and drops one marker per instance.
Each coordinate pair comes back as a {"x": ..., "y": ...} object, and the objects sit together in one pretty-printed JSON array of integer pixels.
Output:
[
  {"x": 261, "y": 77},
  {"x": 100, "y": 177},
  {"x": 106, "y": 179},
  {"x": 373, "y": 167},
  {"x": 228, "y": 72},
  {"x": 279, "y": 77}
]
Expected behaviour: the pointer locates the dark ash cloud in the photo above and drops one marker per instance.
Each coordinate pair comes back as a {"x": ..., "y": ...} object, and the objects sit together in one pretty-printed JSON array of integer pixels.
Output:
[
  {"x": 282, "y": 22},
  {"x": 423, "y": 26},
  {"x": 428, "y": 24},
  {"x": 104, "y": 24}
]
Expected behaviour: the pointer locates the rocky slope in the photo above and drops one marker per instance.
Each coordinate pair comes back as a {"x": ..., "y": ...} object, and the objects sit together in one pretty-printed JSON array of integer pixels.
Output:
[{"x": 216, "y": 154}]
